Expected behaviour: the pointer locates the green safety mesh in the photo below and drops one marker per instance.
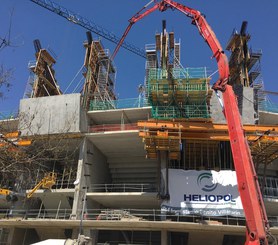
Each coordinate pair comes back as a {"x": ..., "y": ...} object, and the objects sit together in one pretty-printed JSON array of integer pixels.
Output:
[
  {"x": 96, "y": 105},
  {"x": 187, "y": 111},
  {"x": 181, "y": 94}
]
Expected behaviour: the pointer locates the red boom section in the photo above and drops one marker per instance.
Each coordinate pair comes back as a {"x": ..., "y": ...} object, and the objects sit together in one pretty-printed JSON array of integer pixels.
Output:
[
  {"x": 248, "y": 187},
  {"x": 210, "y": 38},
  {"x": 255, "y": 214},
  {"x": 252, "y": 201}
]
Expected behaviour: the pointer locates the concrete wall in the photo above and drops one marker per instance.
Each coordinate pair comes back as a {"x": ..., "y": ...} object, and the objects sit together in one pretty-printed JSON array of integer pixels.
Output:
[
  {"x": 246, "y": 107},
  {"x": 98, "y": 166},
  {"x": 92, "y": 169},
  {"x": 51, "y": 115}
]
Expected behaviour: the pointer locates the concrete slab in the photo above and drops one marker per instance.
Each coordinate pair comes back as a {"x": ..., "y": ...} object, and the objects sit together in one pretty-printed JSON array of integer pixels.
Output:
[
  {"x": 119, "y": 144},
  {"x": 126, "y": 199},
  {"x": 51, "y": 242},
  {"x": 54, "y": 199},
  {"x": 129, "y": 225},
  {"x": 268, "y": 118}
]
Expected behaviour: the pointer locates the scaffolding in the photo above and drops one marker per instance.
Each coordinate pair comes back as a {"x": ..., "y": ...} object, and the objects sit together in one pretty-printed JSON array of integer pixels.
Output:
[
  {"x": 205, "y": 144},
  {"x": 42, "y": 81},
  {"x": 185, "y": 95},
  {"x": 245, "y": 68},
  {"x": 100, "y": 74}
]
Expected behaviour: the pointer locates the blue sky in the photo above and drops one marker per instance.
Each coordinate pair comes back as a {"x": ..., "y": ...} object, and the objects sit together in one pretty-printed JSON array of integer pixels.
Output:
[{"x": 29, "y": 22}]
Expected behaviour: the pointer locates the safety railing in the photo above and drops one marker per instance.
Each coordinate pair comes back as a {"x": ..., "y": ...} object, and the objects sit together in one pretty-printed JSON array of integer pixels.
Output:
[
  {"x": 178, "y": 73},
  {"x": 268, "y": 106},
  {"x": 96, "y": 105},
  {"x": 151, "y": 215},
  {"x": 123, "y": 188},
  {"x": 187, "y": 111},
  {"x": 63, "y": 184},
  {"x": 112, "y": 127},
  {"x": 150, "y": 47},
  {"x": 269, "y": 187},
  {"x": 36, "y": 213},
  {"x": 32, "y": 64},
  {"x": 59, "y": 184},
  {"x": 12, "y": 114}
]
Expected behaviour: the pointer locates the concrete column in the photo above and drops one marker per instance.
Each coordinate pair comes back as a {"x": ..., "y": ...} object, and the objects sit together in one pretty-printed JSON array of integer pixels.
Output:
[
  {"x": 16, "y": 236},
  {"x": 164, "y": 165},
  {"x": 80, "y": 184},
  {"x": 212, "y": 238},
  {"x": 163, "y": 158},
  {"x": 98, "y": 168},
  {"x": 94, "y": 236},
  {"x": 11, "y": 234},
  {"x": 164, "y": 237},
  {"x": 158, "y": 183}
]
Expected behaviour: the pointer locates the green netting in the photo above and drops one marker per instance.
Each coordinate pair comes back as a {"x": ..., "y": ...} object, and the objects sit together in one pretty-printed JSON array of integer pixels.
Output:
[
  {"x": 177, "y": 73},
  {"x": 117, "y": 104},
  {"x": 178, "y": 85},
  {"x": 181, "y": 94},
  {"x": 186, "y": 111}
]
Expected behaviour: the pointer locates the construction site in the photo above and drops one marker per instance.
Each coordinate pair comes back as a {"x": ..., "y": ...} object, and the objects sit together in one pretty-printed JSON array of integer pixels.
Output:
[{"x": 190, "y": 161}]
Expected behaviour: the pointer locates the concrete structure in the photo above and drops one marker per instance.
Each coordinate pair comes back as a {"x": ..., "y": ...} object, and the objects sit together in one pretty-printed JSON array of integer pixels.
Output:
[
  {"x": 42, "y": 116},
  {"x": 109, "y": 158},
  {"x": 114, "y": 195}
]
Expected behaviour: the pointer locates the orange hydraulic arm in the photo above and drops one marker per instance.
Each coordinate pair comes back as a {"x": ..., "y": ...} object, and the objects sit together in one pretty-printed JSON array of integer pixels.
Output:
[{"x": 252, "y": 201}]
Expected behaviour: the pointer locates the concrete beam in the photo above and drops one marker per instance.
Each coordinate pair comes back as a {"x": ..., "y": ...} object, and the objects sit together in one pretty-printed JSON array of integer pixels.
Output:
[{"x": 129, "y": 225}]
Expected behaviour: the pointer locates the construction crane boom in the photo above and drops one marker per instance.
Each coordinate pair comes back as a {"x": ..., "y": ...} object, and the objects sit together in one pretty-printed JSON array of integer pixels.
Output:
[
  {"x": 87, "y": 24},
  {"x": 255, "y": 214}
]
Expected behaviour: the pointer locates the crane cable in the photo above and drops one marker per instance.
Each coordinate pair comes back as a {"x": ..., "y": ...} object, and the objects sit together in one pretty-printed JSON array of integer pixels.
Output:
[{"x": 74, "y": 79}]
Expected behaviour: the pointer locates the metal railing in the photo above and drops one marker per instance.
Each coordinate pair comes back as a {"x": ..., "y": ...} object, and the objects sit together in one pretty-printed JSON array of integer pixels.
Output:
[
  {"x": 178, "y": 73},
  {"x": 270, "y": 187},
  {"x": 112, "y": 127},
  {"x": 96, "y": 105},
  {"x": 123, "y": 188},
  {"x": 268, "y": 106},
  {"x": 151, "y": 215},
  {"x": 35, "y": 213},
  {"x": 59, "y": 184},
  {"x": 12, "y": 114}
]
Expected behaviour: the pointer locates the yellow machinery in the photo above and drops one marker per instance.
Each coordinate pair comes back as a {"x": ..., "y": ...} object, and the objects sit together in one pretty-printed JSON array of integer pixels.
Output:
[
  {"x": 10, "y": 195},
  {"x": 46, "y": 183}
]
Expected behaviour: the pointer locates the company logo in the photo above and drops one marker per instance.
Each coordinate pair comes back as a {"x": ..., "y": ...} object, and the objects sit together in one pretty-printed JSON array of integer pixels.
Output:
[{"x": 203, "y": 181}]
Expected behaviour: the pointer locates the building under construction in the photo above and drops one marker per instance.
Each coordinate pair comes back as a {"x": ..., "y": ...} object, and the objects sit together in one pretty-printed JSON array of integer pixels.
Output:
[{"x": 134, "y": 171}]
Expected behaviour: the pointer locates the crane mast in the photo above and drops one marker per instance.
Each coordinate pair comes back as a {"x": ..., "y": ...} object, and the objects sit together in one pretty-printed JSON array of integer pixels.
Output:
[{"x": 256, "y": 219}]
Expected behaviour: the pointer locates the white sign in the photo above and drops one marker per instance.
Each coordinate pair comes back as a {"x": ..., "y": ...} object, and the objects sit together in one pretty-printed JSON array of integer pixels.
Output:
[{"x": 207, "y": 193}]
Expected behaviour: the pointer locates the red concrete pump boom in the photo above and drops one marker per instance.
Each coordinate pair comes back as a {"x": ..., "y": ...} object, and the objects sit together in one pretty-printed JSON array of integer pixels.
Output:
[{"x": 249, "y": 190}]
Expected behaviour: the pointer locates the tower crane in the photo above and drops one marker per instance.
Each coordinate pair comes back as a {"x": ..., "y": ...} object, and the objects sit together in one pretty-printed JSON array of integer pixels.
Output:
[
  {"x": 89, "y": 25},
  {"x": 255, "y": 214}
]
